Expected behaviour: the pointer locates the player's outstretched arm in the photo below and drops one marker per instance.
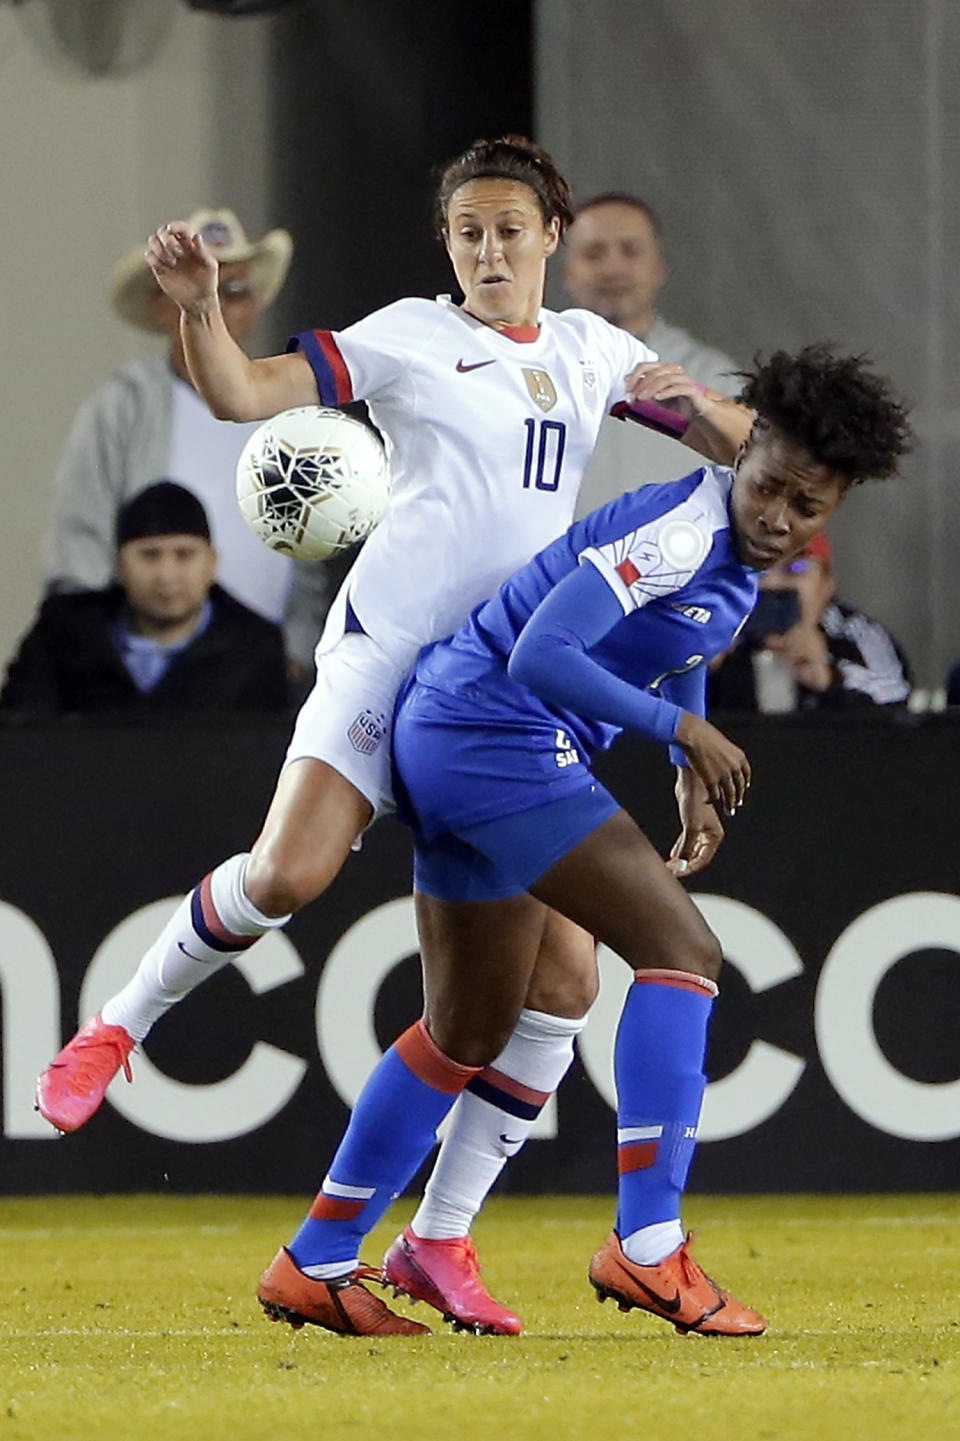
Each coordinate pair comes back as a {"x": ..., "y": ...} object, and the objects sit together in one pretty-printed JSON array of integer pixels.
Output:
[
  {"x": 552, "y": 658},
  {"x": 719, "y": 427},
  {"x": 663, "y": 397},
  {"x": 234, "y": 386}
]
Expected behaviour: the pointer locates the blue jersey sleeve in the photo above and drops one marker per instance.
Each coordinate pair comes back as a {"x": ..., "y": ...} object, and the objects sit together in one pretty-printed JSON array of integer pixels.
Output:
[
  {"x": 550, "y": 657},
  {"x": 688, "y": 690}
]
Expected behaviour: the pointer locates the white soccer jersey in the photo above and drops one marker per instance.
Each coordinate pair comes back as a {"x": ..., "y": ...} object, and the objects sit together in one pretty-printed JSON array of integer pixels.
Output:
[{"x": 489, "y": 433}]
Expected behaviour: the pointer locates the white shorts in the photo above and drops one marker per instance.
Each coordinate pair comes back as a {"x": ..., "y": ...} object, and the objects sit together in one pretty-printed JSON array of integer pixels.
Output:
[{"x": 347, "y": 718}]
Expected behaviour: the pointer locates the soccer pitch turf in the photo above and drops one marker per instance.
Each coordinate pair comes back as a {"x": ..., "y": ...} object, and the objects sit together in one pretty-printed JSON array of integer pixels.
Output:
[{"x": 134, "y": 1316}]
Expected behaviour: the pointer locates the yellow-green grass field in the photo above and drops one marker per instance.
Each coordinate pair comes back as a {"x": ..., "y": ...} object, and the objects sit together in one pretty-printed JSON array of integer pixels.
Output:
[{"x": 133, "y": 1317}]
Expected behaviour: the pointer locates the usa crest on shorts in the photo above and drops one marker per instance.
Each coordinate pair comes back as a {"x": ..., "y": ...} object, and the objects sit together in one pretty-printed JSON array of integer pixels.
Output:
[{"x": 366, "y": 732}]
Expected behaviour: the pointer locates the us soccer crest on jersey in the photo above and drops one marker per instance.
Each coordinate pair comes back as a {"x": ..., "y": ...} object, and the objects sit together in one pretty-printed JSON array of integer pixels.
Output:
[
  {"x": 489, "y": 434},
  {"x": 542, "y": 390},
  {"x": 589, "y": 379}
]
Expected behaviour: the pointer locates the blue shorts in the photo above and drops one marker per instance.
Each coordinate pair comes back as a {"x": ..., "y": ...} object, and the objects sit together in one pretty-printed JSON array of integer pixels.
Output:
[
  {"x": 504, "y": 857},
  {"x": 494, "y": 795}
]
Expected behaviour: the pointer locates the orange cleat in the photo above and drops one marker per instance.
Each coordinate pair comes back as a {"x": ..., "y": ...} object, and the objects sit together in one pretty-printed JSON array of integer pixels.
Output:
[
  {"x": 676, "y": 1289},
  {"x": 74, "y": 1084},
  {"x": 446, "y": 1274},
  {"x": 344, "y": 1305}
]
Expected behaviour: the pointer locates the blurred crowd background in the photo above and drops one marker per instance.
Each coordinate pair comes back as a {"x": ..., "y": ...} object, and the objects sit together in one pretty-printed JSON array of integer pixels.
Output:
[{"x": 799, "y": 154}]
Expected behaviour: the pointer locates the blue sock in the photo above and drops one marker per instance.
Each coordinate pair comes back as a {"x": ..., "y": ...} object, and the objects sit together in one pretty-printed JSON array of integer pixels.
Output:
[
  {"x": 658, "y": 1063},
  {"x": 391, "y": 1131}
]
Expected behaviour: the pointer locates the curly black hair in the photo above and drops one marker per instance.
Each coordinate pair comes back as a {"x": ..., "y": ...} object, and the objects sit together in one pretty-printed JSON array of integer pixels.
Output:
[{"x": 845, "y": 416}]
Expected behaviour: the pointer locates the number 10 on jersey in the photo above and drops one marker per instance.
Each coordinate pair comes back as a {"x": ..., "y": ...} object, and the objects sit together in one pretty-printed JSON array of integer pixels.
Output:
[{"x": 544, "y": 454}]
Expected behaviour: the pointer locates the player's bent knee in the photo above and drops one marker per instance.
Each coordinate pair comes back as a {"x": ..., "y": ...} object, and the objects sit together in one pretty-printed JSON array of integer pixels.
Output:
[
  {"x": 279, "y": 889},
  {"x": 570, "y": 996},
  {"x": 577, "y": 997},
  {"x": 705, "y": 957},
  {"x": 699, "y": 955},
  {"x": 715, "y": 959},
  {"x": 468, "y": 1047}
]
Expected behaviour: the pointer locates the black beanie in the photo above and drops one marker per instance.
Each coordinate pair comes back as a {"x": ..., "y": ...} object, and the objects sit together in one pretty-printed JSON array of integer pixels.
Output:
[{"x": 162, "y": 509}]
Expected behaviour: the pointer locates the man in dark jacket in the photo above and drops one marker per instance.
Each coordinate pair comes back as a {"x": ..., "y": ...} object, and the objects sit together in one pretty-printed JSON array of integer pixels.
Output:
[{"x": 164, "y": 638}]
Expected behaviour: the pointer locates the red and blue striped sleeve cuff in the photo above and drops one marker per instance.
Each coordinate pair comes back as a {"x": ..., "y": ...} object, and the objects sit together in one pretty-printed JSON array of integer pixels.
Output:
[{"x": 327, "y": 364}]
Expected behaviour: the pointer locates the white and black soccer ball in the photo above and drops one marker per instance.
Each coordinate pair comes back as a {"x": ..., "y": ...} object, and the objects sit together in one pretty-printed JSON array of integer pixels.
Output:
[{"x": 311, "y": 482}]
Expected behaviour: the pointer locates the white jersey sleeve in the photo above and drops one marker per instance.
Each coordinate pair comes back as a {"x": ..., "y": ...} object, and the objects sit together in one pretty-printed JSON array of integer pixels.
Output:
[
  {"x": 633, "y": 352},
  {"x": 372, "y": 356},
  {"x": 617, "y": 350}
]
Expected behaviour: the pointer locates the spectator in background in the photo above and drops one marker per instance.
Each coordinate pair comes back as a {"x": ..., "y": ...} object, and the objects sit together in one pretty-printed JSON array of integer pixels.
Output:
[
  {"x": 615, "y": 266},
  {"x": 802, "y": 649},
  {"x": 147, "y": 420},
  {"x": 164, "y": 638}
]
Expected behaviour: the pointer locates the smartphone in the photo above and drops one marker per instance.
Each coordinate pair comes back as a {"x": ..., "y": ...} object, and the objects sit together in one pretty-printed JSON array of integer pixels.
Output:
[{"x": 776, "y": 611}]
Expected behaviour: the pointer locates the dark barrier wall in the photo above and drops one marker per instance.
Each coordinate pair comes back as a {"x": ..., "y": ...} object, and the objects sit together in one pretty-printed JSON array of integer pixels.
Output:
[{"x": 834, "y": 1056}]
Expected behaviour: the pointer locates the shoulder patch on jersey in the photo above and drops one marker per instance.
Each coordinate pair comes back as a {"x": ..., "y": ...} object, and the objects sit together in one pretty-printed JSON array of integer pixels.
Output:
[
  {"x": 683, "y": 544},
  {"x": 645, "y": 557}
]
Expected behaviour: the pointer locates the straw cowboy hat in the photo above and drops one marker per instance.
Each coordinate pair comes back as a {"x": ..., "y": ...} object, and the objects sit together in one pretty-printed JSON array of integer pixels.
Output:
[{"x": 132, "y": 285}]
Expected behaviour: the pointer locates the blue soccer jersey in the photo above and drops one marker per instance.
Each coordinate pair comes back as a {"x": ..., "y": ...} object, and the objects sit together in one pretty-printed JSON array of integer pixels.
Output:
[
  {"x": 473, "y": 743},
  {"x": 495, "y": 778},
  {"x": 667, "y": 553}
]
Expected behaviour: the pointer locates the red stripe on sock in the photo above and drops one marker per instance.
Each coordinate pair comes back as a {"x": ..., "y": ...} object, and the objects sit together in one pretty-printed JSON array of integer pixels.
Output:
[
  {"x": 636, "y": 1156},
  {"x": 335, "y": 1208},
  {"x": 514, "y": 1088},
  {"x": 214, "y": 922},
  {"x": 421, "y": 1054},
  {"x": 682, "y": 980}
]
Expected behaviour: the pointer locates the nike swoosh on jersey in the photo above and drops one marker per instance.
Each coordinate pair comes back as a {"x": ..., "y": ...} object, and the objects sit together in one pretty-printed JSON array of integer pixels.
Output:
[{"x": 477, "y": 365}]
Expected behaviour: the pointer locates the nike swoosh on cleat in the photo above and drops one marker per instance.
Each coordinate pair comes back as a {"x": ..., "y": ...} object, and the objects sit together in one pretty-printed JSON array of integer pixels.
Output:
[
  {"x": 670, "y": 1304},
  {"x": 510, "y": 1140},
  {"x": 477, "y": 365}
]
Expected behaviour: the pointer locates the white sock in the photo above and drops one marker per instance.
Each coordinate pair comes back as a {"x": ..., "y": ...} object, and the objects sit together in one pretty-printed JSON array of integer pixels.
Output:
[
  {"x": 332, "y": 1271},
  {"x": 492, "y": 1119},
  {"x": 652, "y": 1244},
  {"x": 215, "y": 923}
]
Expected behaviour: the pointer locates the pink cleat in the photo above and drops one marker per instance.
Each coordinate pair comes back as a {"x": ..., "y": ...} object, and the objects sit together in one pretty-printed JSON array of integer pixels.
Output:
[
  {"x": 446, "y": 1274},
  {"x": 73, "y": 1086}
]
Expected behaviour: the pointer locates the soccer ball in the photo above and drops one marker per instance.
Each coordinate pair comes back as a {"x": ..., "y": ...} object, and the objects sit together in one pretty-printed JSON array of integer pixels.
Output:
[{"x": 311, "y": 482}]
